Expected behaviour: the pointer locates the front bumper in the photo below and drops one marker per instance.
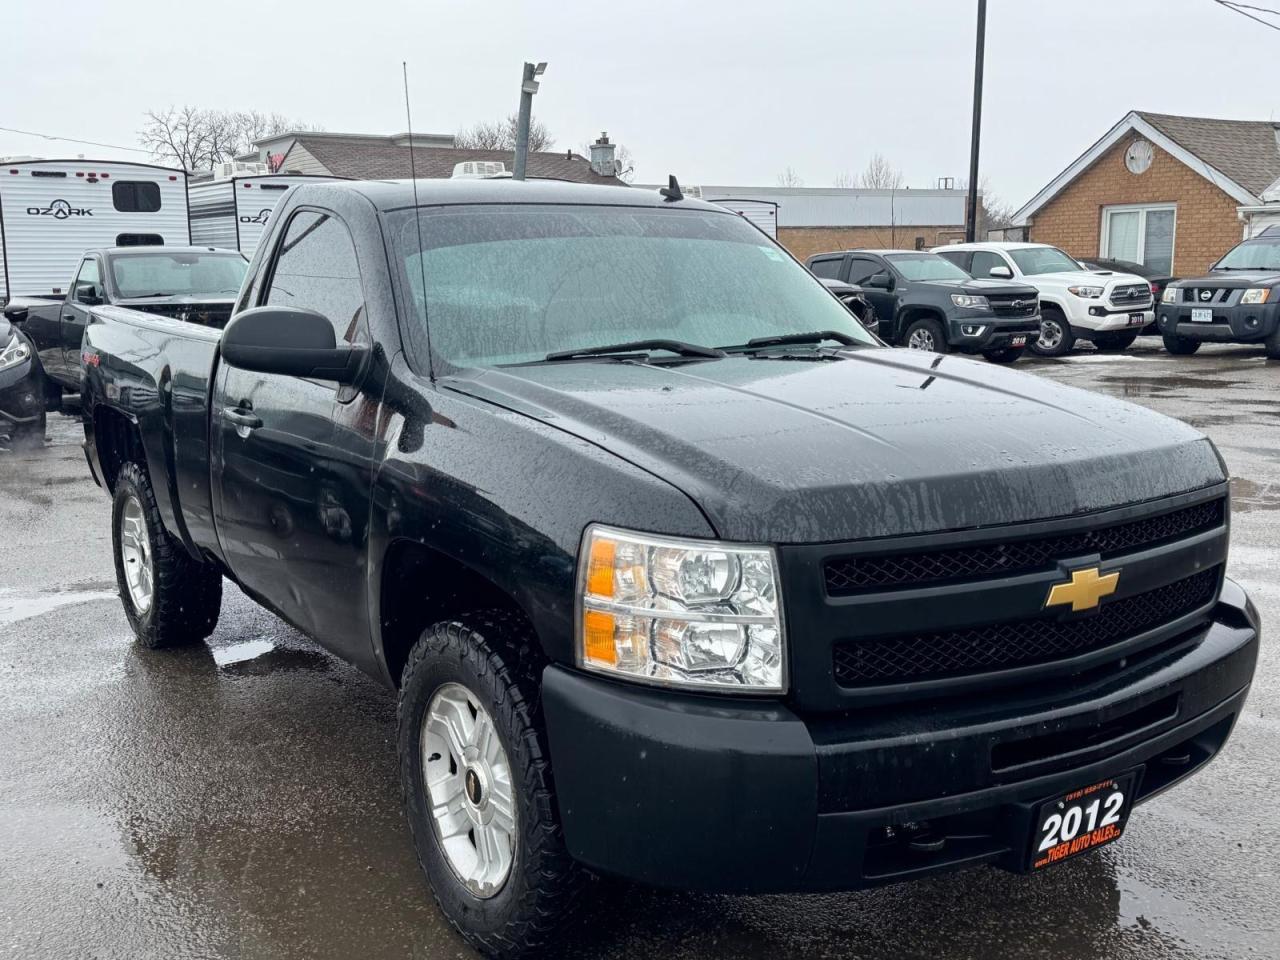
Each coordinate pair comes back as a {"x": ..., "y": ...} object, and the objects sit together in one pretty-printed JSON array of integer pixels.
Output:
[
  {"x": 21, "y": 395},
  {"x": 996, "y": 333},
  {"x": 1100, "y": 317},
  {"x": 747, "y": 796},
  {"x": 1241, "y": 323}
]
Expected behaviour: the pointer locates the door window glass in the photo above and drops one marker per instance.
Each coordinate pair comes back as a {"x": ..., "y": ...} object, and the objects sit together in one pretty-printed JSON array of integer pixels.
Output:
[
  {"x": 860, "y": 269},
  {"x": 316, "y": 270},
  {"x": 984, "y": 260},
  {"x": 828, "y": 269},
  {"x": 88, "y": 285}
]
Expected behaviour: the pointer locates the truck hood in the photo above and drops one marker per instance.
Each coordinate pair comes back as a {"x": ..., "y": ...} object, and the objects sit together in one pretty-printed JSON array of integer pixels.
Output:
[
  {"x": 1231, "y": 279},
  {"x": 880, "y": 443},
  {"x": 984, "y": 287}
]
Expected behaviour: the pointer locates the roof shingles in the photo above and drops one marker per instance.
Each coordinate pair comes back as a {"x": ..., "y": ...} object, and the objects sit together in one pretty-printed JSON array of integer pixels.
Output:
[
  {"x": 1247, "y": 151},
  {"x": 362, "y": 159}
]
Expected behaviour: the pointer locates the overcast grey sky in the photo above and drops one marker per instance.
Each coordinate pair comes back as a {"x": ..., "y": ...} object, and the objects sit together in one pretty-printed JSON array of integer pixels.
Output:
[{"x": 719, "y": 91}]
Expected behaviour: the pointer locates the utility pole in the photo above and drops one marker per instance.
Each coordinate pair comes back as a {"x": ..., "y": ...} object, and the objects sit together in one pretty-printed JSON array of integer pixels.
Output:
[
  {"x": 971, "y": 204},
  {"x": 528, "y": 87}
]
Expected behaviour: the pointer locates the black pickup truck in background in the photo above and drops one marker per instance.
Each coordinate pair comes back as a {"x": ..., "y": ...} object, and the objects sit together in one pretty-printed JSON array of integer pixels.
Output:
[
  {"x": 680, "y": 574},
  {"x": 924, "y": 302},
  {"x": 196, "y": 284}
]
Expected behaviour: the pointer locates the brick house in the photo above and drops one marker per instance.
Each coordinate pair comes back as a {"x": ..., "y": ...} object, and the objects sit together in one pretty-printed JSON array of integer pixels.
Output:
[{"x": 1172, "y": 192}]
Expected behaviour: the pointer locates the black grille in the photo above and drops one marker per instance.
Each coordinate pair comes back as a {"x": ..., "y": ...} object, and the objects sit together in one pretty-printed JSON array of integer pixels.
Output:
[
  {"x": 1025, "y": 306},
  {"x": 1017, "y": 643},
  {"x": 848, "y": 575},
  {"x": 1131, "y": 295}
]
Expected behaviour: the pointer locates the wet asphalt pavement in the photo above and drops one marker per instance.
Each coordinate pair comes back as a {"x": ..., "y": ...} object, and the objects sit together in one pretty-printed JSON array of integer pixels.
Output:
[{"x": 240, "y": 800}]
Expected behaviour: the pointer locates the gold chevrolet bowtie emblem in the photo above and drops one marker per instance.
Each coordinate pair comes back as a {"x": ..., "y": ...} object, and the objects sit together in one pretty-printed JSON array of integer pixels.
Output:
[{"x": 1085, "y": 590}]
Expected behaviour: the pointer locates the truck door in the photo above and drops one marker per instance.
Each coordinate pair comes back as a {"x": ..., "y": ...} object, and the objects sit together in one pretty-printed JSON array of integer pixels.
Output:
[
  {"x": 292, "y": 457},
  {"x": 885, "y": 302},
  {"x": 86, "y": 292}
]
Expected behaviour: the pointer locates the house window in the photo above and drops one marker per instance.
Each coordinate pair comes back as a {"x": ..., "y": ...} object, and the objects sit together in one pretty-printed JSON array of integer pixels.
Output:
[{"x": 1142, "y": 234}]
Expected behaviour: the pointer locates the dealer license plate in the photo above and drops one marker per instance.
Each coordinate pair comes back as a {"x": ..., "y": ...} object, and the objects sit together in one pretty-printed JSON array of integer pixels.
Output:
[
  {"x": 1082, "y": 820},
  {"x": 1017, "y": 341},
  {"x": 1137, "y": 319},
  {"x": 1201, "y": 315}
]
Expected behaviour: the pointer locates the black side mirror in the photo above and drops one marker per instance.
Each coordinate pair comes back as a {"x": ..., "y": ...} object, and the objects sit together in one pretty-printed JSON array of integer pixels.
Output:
[
  {"x": 879, "y": 281},
  {"x": 88, "y": 295},
  {"x": 290, "y": 342},
  {"x": 15, "y": 313}
]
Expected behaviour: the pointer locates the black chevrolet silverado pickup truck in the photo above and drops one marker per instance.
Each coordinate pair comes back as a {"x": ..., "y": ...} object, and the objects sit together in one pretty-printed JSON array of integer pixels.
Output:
[
  {"x": 680, "y": 575},
  {"x": 197, "y": 284},
  {"x": 1238, "y": 301},
  {"x": 925, "y": 302}
]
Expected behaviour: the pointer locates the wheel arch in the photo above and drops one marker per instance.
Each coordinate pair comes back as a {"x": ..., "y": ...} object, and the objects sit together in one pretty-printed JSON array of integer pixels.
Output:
[
  {"x": 117, "y": 440},
  {"x": 421, "y": 586}
]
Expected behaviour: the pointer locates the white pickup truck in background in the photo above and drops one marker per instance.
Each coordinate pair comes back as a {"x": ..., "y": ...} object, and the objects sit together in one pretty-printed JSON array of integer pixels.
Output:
[{"x": 1110, "y": 309}]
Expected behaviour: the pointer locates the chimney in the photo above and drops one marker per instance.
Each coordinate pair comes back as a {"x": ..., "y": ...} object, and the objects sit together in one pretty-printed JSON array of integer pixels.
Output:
[{"x": 602, "y": 161}]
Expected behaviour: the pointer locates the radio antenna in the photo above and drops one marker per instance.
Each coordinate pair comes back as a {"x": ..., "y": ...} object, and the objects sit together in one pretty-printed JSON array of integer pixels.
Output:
[{"x": 417, "y": 218}]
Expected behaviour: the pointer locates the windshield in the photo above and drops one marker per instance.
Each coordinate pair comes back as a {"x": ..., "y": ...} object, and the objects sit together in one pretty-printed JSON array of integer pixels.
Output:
[
  {"x": 511, "y": 283},
  {"x": 1252, "y": 255},
  {"x": 177, "y": 274},
  {"x": 926, "y": 266},
  {"x": 1033, "y": 260}
]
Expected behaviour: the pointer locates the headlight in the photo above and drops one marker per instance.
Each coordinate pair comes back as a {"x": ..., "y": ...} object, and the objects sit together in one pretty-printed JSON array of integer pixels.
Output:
[
  {"x": 1088, "y": 293},
  {"x": 1170, "y": 295},
  {"x": 1256, "y": 295},
  {"x": 14, "y": 353},
  {"x": 973, "y": 303},
  {"x": 689, "y": 613}
]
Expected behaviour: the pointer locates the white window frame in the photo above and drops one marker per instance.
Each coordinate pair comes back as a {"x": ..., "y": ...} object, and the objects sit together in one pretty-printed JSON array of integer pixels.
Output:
[{"x": 1142, "y": 208}]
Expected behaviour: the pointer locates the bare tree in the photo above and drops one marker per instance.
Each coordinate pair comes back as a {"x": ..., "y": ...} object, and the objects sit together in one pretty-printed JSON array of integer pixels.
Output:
[
  {"x": 501, "y": 135},
  {"x": 993, "y": 213},
  {"x": 880, "y": 174},
  {"x": 195, "y": 138},
  {"x": 843, "y": 180},
  {"x": 789, "y": 178}
]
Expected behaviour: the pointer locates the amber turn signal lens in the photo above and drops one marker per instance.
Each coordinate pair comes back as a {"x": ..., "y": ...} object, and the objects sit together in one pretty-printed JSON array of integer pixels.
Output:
[
  {"x": 600, "y": 569},
  {"x": 597, "y": 637}
]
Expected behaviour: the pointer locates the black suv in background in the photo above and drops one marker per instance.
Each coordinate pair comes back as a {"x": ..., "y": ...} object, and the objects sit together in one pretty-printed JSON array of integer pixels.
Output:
[
  {"x": 925, "y": 302},
  {"x": 1238, "y": 301}
]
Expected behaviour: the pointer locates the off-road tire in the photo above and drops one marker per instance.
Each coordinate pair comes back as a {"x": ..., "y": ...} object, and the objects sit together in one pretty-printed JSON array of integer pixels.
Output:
[
  {"x": 930, "y": 328},
  {"x": 494, "y": 655},
  {"x": 1064, "y": 345},
  {"x": 1180, "y": 346},
  {"x": 186, "y": 594},
  {"x": 1005, "y": 355},
  {"x": 1272, "y": 345},
  {"x": 1114, "y": 342}
]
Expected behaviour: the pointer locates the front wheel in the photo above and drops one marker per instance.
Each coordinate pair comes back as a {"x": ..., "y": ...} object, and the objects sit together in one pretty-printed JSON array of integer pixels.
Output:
[
  {"x": 29, "y": 436},
  {"x": 1180, "y": 346},
  {"x": 1056, "y": 338},
  {"x": 926, "y": 334},
  {"x": 478, "y": 789},
  {"x": 169, "y": 598},
  {"x": 1005, "y": 354},
  {"x": 1114, "y": 342}
]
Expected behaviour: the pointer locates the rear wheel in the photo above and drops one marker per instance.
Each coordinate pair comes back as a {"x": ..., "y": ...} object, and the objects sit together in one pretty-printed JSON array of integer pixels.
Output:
[
  {"x": 925, "y": 334},
  {"x": 1272, "y": 345},
  {"x": 1180, "y": 346},
  {"x": 1005, "y": 354},
  {"x": 1056, "y": 338},
  {"x": 169, "y": 598},
  {"x": 1114, "y": 342},
  {"x": 478, "y": 787}
]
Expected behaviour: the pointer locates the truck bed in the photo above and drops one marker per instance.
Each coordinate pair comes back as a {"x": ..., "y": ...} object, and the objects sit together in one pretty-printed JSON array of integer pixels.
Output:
[{"x": 159, "y": 373}]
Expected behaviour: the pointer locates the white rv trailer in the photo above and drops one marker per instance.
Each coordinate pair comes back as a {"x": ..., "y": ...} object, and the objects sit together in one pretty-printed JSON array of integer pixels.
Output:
[
  {"x": 233, "y": 212},
  {"x": 52, "y": 211}
]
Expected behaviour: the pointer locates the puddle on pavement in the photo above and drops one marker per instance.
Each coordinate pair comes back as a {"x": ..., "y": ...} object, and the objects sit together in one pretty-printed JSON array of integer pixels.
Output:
[
  {"x": 15, "y": 605},
  {"x": 255, "y": 657},
  {"x": 1247, "y": 495}
]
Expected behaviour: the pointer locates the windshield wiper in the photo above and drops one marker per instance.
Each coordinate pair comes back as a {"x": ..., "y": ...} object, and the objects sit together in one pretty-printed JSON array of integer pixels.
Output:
[
  {"x": 678, "y": 347},
  {"x": 790, "y": 339}
]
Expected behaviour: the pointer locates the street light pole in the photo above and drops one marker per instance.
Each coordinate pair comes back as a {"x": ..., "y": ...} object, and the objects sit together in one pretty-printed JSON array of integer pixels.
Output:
[
  {"x": 971, "y": 204},
  {"x": 528, "y": 87}
]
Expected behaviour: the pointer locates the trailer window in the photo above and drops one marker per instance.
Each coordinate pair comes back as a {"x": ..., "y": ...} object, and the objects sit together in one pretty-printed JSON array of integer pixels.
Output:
[
  {"x": 135, "y": 196},
  {"x": 139, "y": 240}
]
